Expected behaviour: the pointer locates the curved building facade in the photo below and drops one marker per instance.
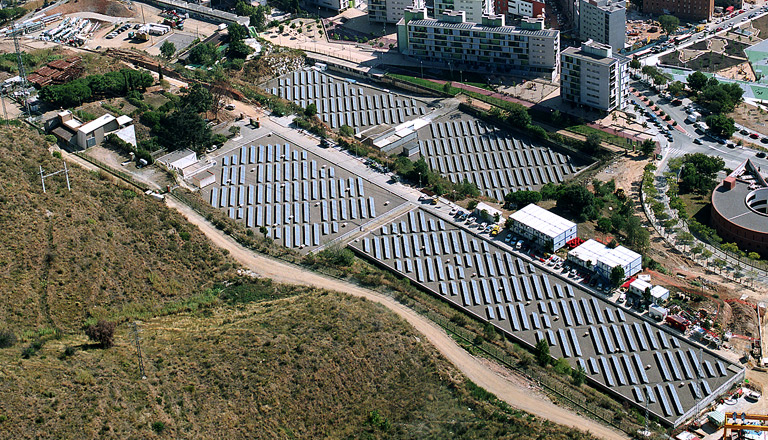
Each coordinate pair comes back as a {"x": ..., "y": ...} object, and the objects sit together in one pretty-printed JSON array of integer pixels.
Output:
[{"x": 740, "y": 209}]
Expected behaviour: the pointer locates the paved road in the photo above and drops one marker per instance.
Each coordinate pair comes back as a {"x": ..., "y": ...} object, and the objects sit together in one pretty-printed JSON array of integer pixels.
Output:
[{"x": 477, "y": 370}]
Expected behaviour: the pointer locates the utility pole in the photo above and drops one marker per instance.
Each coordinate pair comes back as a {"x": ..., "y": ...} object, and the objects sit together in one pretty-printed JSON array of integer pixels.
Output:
[
  {"x": 138, "y": 349},
  {"x": 22, "y": 73},
  {"x": 43, "y": 176}
]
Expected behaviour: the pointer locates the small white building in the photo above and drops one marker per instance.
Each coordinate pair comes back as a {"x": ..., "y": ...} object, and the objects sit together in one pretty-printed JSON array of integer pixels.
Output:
[
  {"x": 178, "y": 160},
  {"x": 587, "y": 254},
  {"x": 549, "y": 231},
  {"x": 629, "y": 260},
  {"x": 203, "y": 179},
  {"x": 659, "y": 294},
  {"x": 487, "y": 212},
  {"x": 638, "y": 287}
]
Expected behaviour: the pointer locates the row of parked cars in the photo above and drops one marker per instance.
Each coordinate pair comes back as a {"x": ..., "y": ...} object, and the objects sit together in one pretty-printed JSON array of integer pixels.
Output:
[{"x": 119, "y": 30}]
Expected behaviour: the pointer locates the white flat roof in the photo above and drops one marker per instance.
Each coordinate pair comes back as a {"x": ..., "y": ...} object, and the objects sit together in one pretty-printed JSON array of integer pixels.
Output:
[
  {"x": 640, "y": 285},
  {"x": 485, "y": 207},
  {"x": 124, "y": 119},
  {"x": 96, "y": 123},
  {"x": 619, "y": 256},
  {"x": 590, "y": 250},
  {"x": 658, "y": 291},
  {"x": 540, "y": 219}
]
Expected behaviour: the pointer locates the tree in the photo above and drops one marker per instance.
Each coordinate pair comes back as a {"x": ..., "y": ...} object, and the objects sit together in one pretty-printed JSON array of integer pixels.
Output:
[
  {"x": 197, "y": 99},
  {"x": 676, "y": 88},
  {"x": 237, "y": 32},
  {"x": 102, "y": 332},
  {"x": 185, "y": 129},
  {"x": 617, "y": 276},
  {"x": 238, "y": 50},
  {"x": 637, "y": 236},
  {"x": 578, "y": 376},
  {"x": 522, "y": 198},
  {"x": 167, "y": 49},
  {"x": 592, "y": 143},
  {"x": 346, "y": 130},
  {"x": 7, "y": 338},
  {"x": 311, "y": 109},
  {"x": 697, "y": 81},
  {"x": 753, "y": 256},
  {"x": 669, "y": 23},
  {"x": 604, "y": 224},
  {"x": 706, "y": 254},
  {"x": 635, "y": 64},
  {"x": 698, "y": 172},
  {"x": 721, "y": 125},
  {"x": 647, "y": 294},
  {"x": 648, "y": 147},
  {"x": 577, "y": 200},
  {"x": 518, "y": 115},
  {"x": 542, "y": 353}
]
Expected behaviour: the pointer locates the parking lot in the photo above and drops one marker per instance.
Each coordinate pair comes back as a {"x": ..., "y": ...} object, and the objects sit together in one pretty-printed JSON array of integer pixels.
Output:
[
  {"x": 302, "y": 200},
  {"x": 462, "y": 147},
  {"x": 617, "y": 349},
  {"x": 344, "y": 101}
]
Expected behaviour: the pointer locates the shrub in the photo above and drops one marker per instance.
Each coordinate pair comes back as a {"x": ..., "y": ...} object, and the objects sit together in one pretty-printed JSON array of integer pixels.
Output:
[
  {"x": 7, "y": 338},
  {"x": 158, "y": 427},
  {"x": 102, "y": 332}
]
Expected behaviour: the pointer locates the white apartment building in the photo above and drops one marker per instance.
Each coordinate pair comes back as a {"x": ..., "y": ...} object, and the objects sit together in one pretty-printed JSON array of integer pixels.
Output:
[
  {"x": 390, "y": 11},
  {"x": 474, "y": 9},
  {"x": 603, "y": 21},
  {"x": 489, "y": 46},
  {"x": 593, "y": 75}
]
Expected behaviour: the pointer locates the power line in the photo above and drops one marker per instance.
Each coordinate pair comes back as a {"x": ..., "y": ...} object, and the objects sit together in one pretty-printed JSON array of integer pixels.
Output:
[
  {"x": 65, "y": 170},
  {"x": 138, "y": 349}
]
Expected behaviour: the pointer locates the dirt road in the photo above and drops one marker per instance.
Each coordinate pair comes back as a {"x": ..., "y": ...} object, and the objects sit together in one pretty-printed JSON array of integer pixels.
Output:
[{"x": 515, "y": 394}]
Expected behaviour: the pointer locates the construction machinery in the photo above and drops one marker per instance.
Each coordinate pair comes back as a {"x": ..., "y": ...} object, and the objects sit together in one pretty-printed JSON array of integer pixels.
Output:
[{"x": 743, "y": 422}]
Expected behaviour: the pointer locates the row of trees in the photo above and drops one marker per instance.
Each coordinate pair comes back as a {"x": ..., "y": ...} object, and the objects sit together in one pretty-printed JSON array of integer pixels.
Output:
[
  {"x": 419, "y": 171},
  {"x": 715, "y": 96},
  {"x": 697, "y": 172},
  {"x": 258, "y": 14},
  {"x": 111, "y": 84}
]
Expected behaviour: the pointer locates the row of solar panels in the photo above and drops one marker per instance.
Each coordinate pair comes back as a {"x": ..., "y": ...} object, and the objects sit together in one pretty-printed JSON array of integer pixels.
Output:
[
  {"x": 291, "y": 173},
  {"x": 263, "y": 153},
  {"x": 466, "y": 128},
  {"x": 512, "y": 152},
  {"x": 279, "y": 212},
  {"x": 362, "y": 103},
  {"x": 370, "y": 117},
  {"x": 489, "y": 178},
  {"x": 260, "y": 194}
]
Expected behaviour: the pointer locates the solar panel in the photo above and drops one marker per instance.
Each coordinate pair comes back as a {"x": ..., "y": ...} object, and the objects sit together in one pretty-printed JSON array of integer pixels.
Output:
[
  {"x": 564, "y": 343},
  {"x": 419, "y": 271},
  {"x": 638, "y": 395},
  {"x": 695, "y": 390},
  {"x": 496, "y": 289},
  {"x": 662, "y": 367},
  {"x": 502, "y": 315},
  {"x": 486, "y": 291},
  {"x": 523, "y": 317},
  {"x": 608, "y": 340},
  {"x": 596, "y": 340},
  {"x": 475, "y": 292},
  {"x": 547, "y": 288},
  {"x": 609, "y": 315},
  {"x": 708, "y": 367},
  {"x": 675, "y": 399},
  {"x": 628, "y": 335},
  {"x": 630, "y": 371},
  {"x": 576, "y": 313},
  {"x": 506, "y": 289},
  {"x": 673, "y": 365},
  {"x": 490, "y": 313},
  {"x": 545, "y": 321},
  {"x": 593, "y": 368},
  {"x": 513, "y": 318},
  {"x": 607, "y": 372},
  {"x": 640, "y": 367},
  {"x": 586, "y": 310},
  {"x": 526, "y": 289},
  {"x": 537, "y": 288},
  {"x": 465, "y": 293},
  {"x": 516, "y": 289},
  {"x": 620, "y": 314},
  {"x": 639, "y": 335},
  {"x": 535, "y": 321},
  {"x": 559, "y": 291},
  {"x": 618, "y": 371},
  {"x": 574, "y": 342},
  {"x": 553, "y": 308},
  {"x": 597, "y": 310},
  {"x": 651, "y": 337},
  {"x": 684, "y": 363},
  {"x": 566, "y": 314},
  {"x": 705, "y": 385},
  {"x": 663, "y": 340},
  {"x": 617, "y": 337}
]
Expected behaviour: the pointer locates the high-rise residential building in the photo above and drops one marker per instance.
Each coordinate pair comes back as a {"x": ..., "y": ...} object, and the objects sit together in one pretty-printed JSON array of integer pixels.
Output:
[
  {"x": 489, "y": 46},
  {"x": 683, "y": 9},
  {"x": 595, "y": 76},
  {"x": 520, "y": 8},
  {"x": 390, "y": 11},
  {"x": 474, "y": 9},
  {"x": 335, "y": 5},
  {"x": 603, "y": 21}
]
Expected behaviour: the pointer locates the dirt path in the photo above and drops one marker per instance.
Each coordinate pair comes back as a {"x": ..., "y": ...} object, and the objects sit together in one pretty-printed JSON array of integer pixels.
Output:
[{"x": 514, "y": 393}]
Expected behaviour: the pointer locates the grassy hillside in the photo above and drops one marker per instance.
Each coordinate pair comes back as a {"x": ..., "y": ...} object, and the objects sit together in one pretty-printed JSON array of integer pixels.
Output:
[
  {"x": 67, "y": 256},
  {"x": 262, "y": 362}
]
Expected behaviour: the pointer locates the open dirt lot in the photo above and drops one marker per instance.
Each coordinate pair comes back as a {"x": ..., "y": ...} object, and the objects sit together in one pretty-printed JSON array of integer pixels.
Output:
[{"x": 751, "y": 117}]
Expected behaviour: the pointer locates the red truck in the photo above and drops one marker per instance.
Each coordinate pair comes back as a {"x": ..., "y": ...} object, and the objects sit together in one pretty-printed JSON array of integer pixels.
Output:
[{"x": 678, "y": 322}]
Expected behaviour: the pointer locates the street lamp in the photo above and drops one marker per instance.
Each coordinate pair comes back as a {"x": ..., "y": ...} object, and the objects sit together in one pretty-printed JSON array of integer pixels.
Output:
[
  {"x": 421, "y": 66},
  {"x": 419, "y": 179}
]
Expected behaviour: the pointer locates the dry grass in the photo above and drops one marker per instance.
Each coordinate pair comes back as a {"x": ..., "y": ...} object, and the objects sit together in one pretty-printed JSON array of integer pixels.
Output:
[
  {"x": 69, "y": 256},
  {"x": 303, "y": 364}
]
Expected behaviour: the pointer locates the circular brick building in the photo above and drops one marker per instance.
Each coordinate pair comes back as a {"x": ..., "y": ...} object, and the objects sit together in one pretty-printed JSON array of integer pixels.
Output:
[{"x": 740, "y": 209}]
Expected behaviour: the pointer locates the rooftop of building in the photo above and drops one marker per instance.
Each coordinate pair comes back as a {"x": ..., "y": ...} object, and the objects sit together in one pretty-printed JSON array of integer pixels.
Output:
[
  {"x": 731, "y": 203},
  {"x": 618, "y": 256},
  {"x": 538, "y": 218},
  {"x": 595, "y": 52},
  {"x": 469, "y": 26}
]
